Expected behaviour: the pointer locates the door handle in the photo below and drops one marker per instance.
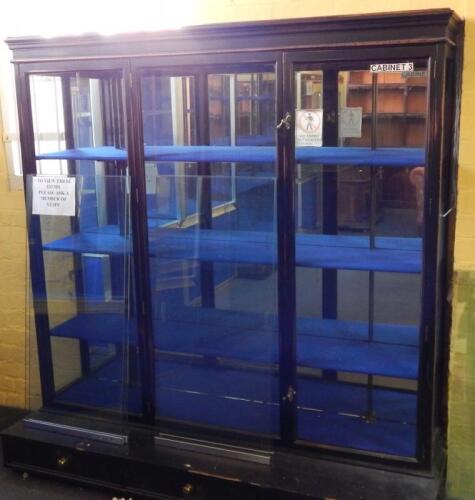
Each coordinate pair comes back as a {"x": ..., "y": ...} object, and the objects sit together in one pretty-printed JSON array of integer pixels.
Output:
[
  {"x": 285, "y": 122},
  {"x": 445, "y": 214}
]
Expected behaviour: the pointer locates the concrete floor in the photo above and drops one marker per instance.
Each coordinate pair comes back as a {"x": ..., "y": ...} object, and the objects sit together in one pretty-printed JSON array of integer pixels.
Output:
[{"x": 13, "y": 486}]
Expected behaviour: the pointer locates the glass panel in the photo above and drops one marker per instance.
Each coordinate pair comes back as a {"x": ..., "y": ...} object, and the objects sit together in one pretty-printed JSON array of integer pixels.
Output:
[
  {"x": 82, "y": 301},
  {"x": 358, "y": 252},
  {"x": 309, "y": 95},
  {"x": 168, "y": 113},
  {"x": 213, "y": 280},
  {"x": 255, "y": 120},
  {"x": 78, "y": 121},
  {"x": 222, "y": 109},
  {"x": 402, "y": 117},
  {"x": 211, "y": 217},
  {"x": 242, "y": 112},
  {"x": 168, "y": 110},
  {"x": 46, "y": 94}
]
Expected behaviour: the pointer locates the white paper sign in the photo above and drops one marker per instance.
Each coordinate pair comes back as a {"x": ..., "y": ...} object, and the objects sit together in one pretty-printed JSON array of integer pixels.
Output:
[
  {"x": 308, "y": 127},
  {"x": 151, "y": 178},
  {"x": 349, "y": 122},
  {"x": 54, "y": 195},
  {"x": 391, "y": 67}
]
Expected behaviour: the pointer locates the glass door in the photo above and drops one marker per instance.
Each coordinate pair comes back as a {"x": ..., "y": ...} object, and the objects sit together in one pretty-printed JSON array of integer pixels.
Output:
[
  {"x": 210, "y": 164},
  {"x": 81, "y": 259},
  {"x": 286, "y": 292},
  {"x": 358, "y": 170}
]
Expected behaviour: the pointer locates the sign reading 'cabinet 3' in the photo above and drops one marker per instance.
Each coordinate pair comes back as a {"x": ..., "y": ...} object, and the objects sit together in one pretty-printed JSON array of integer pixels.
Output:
[{"x": 391, "y": 67}]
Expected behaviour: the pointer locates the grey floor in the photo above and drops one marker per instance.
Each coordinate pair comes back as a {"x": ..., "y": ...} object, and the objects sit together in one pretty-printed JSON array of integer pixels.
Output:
[{"x": 13, "y": 486}]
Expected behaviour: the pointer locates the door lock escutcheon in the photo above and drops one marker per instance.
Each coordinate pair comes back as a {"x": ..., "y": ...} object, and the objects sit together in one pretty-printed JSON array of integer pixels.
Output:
[
  {"x": 331, "y": 117},
  {"x": 291, "y": 393}
]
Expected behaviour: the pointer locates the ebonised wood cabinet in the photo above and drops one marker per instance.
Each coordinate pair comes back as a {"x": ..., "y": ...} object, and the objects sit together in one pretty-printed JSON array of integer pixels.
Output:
[{"x": 257, "y": 264}]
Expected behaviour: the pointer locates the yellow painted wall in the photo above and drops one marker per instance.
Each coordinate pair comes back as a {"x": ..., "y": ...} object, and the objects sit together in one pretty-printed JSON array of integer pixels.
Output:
[
  {"x": 12, "y": 291},
  {"x": 461, "y": 453}
]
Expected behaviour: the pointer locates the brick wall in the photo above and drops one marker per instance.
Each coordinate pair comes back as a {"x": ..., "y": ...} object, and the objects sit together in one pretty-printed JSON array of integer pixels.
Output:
[{"x": 12, "y": 292}]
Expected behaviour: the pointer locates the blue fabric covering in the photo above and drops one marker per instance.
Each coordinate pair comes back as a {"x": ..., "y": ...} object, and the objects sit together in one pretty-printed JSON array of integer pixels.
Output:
[
  {"x": 91, "y": 242},
  {"x": 107, "y": 328},
  {"x": 394, "y": 438},
  {"x": 325, "y": 344},
  {"x": 328, "y": 412},
  {"x": 356, "y": 330},
  {"x": 316, "y": 251},
  {"x": 94, "y": 277},
  {"x": 103, "y": 153},
  {"x": 312, "y": 352},
  {"x": 385, "y": 157},
  {"x": 314, "y": 394}
]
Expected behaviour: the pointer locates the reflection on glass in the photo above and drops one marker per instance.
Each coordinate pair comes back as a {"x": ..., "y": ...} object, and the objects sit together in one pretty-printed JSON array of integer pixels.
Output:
[
  {"x": 402, "y": 116},
  {"x": 46, "y": 93},
  {"x": 255, "y": 95},
  {"x": 168, "y": 110},
  {"x": 358, "y": 275},
  {"x": 242, "y": 109},
  {"x": 242, "y": 112},
  {"x": 213, "y": 285},
  {"x": 309, "y": 95},
  {"x": 168, "y": 113},
  {"x": 222, "y": 109},
  {"x": 77, "y": 112},
  {"x": 213, "y": 252},
  {"x": 354, "y": 184},
  {"x": 309, "y": 86}
]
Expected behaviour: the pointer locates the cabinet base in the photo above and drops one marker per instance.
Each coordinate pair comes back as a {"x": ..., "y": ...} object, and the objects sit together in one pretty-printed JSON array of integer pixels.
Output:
[{"x": 147, "y": 468}]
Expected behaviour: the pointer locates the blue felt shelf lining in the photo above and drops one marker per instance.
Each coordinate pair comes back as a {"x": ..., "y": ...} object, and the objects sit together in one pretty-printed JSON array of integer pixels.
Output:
[
  {"x": 329, "y": 344},
  {"x": 359, "y": 156},
  {"x": 328, "y": 412},
  {"x": 402, "y": 255},
  {"x": 334, "y": 328},
  {"x": 91, "y": 242},
  {"x": 313, "y": 393}
]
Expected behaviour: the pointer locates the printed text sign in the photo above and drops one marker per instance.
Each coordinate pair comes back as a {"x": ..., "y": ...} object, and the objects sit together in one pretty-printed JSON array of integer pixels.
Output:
[
  {"x": 349, "y": 122},
  {"x": 54, "y": 195},
  {"x": 391, "y": 67}
]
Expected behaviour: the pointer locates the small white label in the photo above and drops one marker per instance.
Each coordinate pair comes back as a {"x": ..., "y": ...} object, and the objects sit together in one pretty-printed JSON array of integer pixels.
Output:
[
  {"x": 349, "y": 122},
  {"x": 308, "y": 127},
  {"x": 54, "y": 195},
  {"x": 391, "y": 67}
]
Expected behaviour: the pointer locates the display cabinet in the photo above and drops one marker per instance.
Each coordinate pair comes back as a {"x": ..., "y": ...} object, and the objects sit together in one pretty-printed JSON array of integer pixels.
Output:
[{"x": 252, "y": 283}]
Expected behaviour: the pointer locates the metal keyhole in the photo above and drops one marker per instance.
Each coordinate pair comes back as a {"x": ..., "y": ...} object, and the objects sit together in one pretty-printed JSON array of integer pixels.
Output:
[
  {"x": 331, "y": 117},
  {"x": 291, "y": 392}
]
